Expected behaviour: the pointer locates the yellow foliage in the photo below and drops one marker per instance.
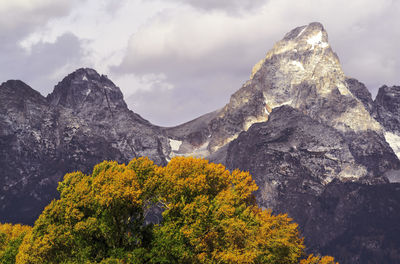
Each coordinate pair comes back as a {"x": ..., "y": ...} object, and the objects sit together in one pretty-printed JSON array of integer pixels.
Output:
[
  {"x": 216, "y": 217},
  {"x": 318, "y": 260},
  {"x": 210, "y": 216},
  {"x": 95, "y": 215},
  {"x": 11, "y": 237},
  {"x": 12, "y": 232}
]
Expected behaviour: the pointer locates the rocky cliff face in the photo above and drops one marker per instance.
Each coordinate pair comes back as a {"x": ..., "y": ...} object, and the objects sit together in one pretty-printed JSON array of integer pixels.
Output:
[
  {"x": 84, "y": 121},
  {"x": 387, "y": 108},
  {"x": 316, "y": 143},
  {"x": 387, "y": 104},
  {"x": 312, "y": 172}
]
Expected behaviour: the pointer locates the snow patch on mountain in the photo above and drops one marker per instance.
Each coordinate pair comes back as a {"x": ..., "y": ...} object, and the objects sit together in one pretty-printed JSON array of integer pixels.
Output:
[
  {"x": 394, "y": 142},
  {"x": 175, "y": 144},
  {"x": 316, "y": 40}
]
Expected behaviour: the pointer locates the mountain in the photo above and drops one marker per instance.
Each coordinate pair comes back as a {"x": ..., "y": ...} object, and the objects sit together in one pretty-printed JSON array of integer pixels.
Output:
[
  {"x": 301, "y": 71},
  {"x": 82, "y": 122},
  {"x": 308, "y": 170},
  {"x": 319, "y": 148}
]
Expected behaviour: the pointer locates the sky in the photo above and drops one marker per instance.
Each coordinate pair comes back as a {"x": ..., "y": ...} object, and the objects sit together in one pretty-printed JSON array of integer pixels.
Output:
[{"x": 175, "y": 60}]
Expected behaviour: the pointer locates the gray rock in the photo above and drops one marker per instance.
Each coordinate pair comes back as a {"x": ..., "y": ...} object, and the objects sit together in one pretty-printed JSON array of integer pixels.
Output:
[
  {"x": 83, "y": 122},
  {"x": 359, "y": 90},
  {"x": 387, "y": 103},
  {"x": 302, "y": 71},
  {"x": 331, "y": 183}
]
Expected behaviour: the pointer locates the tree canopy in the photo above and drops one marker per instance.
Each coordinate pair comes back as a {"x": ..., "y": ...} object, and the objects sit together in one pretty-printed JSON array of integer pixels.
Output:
[{"x": 209, "y": 215}]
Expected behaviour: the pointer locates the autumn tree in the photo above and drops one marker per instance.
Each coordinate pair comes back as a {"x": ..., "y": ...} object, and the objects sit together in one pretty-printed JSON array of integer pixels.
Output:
[
  {"x": 211, "y": 217},
  {"x": 98, "y": 217}
]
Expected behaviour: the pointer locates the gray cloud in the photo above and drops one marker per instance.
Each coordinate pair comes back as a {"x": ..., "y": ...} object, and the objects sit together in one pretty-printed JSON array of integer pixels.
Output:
[
  {"x": 19, "y": 18},
  {"x": 39, "y": 67},
  {"x": 206, "y": 56},
  {"x": 205, "y": 66},
  {"x": 173, "y": 106},
  {"x": 368, "y": 49},
  {"x": 226, "y": 5},
  {"x": 200, "y": 84},
  {"x": 196, "y": 52}
]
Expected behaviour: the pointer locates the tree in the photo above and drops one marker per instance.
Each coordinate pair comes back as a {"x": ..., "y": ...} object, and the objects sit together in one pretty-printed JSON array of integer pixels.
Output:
[
  {"x": 98, "y": 217},
  {"x": 211, "y": 217}
]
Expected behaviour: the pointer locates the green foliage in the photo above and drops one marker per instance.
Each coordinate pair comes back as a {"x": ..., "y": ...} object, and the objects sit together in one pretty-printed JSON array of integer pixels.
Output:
[
  {"x": 98, "y": 216},
  {"x": 210, "y": 216},
  {"x": 11, "y": 237}
]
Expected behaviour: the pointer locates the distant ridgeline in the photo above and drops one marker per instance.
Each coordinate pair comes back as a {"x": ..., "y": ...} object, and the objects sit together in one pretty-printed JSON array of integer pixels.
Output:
[{"x": 317, "y": 145}]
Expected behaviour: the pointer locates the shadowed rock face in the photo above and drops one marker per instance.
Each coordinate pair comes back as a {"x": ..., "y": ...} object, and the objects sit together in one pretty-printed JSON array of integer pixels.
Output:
[
  {"x": 330, "y": 182},
  {"x": 83, "y": 122},
  {"x": 387, "y": 111},
  {"x": 361, "y": 92},
  {"x": 294, "y": 148},
  {"x": 387, "y": 104}
]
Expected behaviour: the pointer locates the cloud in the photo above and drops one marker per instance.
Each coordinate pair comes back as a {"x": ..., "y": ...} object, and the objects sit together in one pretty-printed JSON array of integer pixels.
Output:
[
  {"x": 40, "y": 68},
  {"x": 175, "y": 60},
  {"x": 232, "y": 6},
  {"x": 38, "y": 64},
  {"x": 206, "y": 56},
  {"x": 20, "y": 17}
]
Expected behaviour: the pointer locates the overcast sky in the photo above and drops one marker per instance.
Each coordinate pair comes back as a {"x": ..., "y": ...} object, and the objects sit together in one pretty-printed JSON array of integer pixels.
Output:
[{"x": 175, "y": 60}]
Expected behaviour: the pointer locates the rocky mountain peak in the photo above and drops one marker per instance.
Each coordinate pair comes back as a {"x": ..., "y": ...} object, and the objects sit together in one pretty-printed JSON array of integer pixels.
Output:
[
  {"x": 301, "y": 71},
  {"x": 86, "y": 88},
  {"x": 300, "y": 43},
  {"x": 307, "y": 31}
]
